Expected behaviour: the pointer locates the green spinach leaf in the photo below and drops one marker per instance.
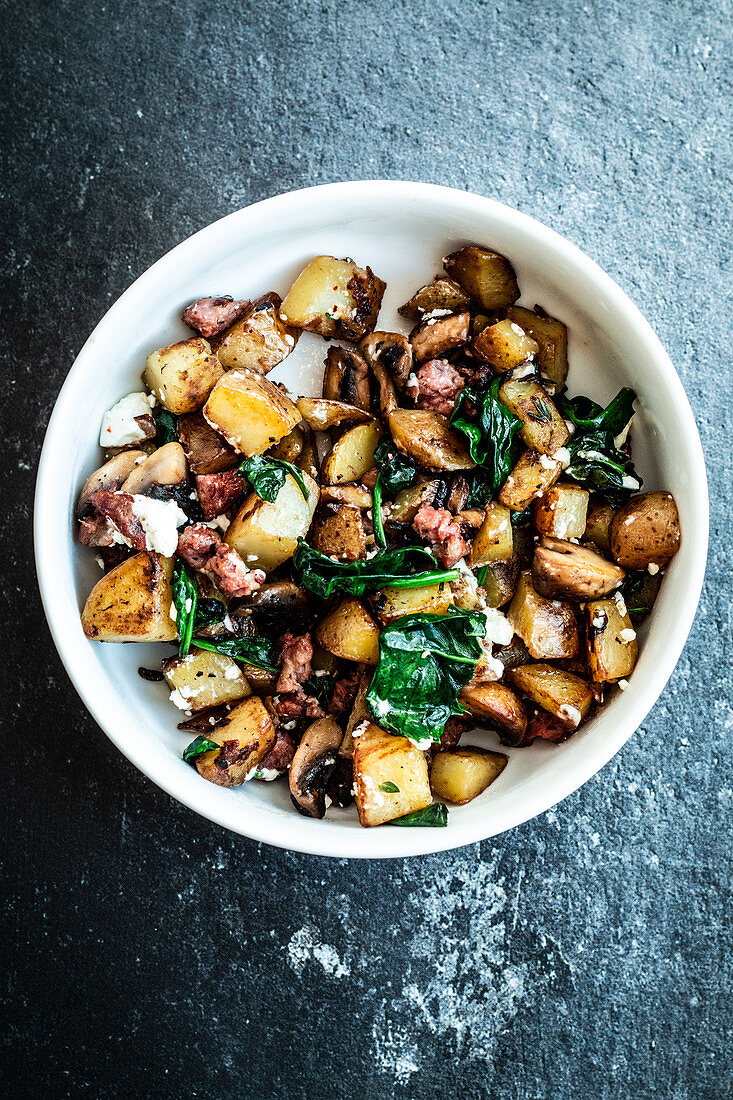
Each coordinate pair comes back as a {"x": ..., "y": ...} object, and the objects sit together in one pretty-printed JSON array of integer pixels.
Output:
[
  {"x": 377, "y": 518},
  {"x": 198, "y": 745},
  {"x": 267, "y": 476},
  {"x": 167, "y": 427},
  {"x": 389, "y": 787},
  {"x": 434, "y": 816},
  {"x": 397, "y": 471},
  {"x": 406, "y": 567},
  {"x": 185, "y": 599},
  {"x": 208, "y": 612},
  {"x": 492, "y": 437},
  {"x": 320, "y": 688},
  {"x": 597, "y": 463},
  {"x": 424, "y": 661},
  {"x": 259, "y": 652},
  {"x": 592, "y": 417}
]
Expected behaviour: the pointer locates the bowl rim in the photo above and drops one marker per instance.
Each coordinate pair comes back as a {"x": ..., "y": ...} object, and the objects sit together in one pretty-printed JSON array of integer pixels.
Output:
[{"x": 371, "y": 843}]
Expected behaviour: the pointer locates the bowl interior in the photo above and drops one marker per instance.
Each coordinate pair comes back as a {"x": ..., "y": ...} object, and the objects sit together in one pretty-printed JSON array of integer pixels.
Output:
[{"x": 401, "y": 231}]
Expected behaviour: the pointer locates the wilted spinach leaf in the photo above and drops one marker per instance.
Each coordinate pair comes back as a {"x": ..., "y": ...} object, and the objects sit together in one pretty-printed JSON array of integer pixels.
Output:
[
  {"x": 434, "y": 816},
  {"x": 198, "y": 746},
  {"x": 406, "y": 567},
  {"x": 424, "y": 661},
  {"x": 320, "y": 688},
  {"x": 208, "y": 612},
  {"x": 397, "y": 471},
  {"x": 259, "y": 652},
  {"x": 185, "y": 599},
  {"x": 167, "y": 427},
  {"x": 267, "y": 476},
  {"x": 595, "y": 460},
  {"x": 389, "y": 787},
  {"x": 492, "y": 437},
  {"x": 592, "y": 417}
]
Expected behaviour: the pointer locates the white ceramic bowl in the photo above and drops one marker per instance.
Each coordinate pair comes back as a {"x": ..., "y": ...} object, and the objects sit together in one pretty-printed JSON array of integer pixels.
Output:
[{"x": 402, "y": 230}]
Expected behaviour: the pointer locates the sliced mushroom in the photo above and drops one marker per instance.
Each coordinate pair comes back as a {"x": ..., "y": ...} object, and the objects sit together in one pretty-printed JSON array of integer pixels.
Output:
[
  {"x": 341, "y": 784},
  {"x": 436, "y": 335},
  {"x": 496, "y": 704},
  {"x": 166, "y": 466},
  {"x": 347, "y": 378},
  {"x": 277, "y": 605},
  {"x": 321, "y": 414},
  {"x": 111, "y": 476},
  {"x": 458, "y": 495},
  {"x": 565, "y": 570},
  {"x": 392, "y": 352},
  {"x": 313, "y": 763}
]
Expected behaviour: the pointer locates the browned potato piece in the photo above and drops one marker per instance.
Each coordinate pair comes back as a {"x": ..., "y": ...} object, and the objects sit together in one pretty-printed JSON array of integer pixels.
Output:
[
  {"x": 561, "y": 693},
  {"x": 495, "y": 703},
  {"x": 552, "y": 337},
  {"x": 182, "y": 376},
  {"x": 611, "y": 641},
  {"x": 646, "y": 531},
  {"x": 322, "y": 415},
  {"x": 346, "y": 378},
  {"x": 290, "y": 447},
  {"x": 459, "y": 775},
  {"x": 500, "y": 581},
  {"x": 356, "y": 495},
  {"x": 335, "y": 298},
  {"x": 441, "y": 294},
  {"x": 246, "y": 736},
  {"x": 132, "y": 602},
  {"x": 350, "y": 632},
  {"x": 341, "y": 534},
  {"x": 504, "y": 346},
  {"x": 259, "y": 339},
  {"x": 204, "y": 679},
  {"x": 561, "y": 511},
  {"x": 543, "y": 429},
  {"x": 431, "y": 599},
  {"x": 351, "y": 455},
  {"x": 426, "y": 437},
  {"x": 250, "y": 412},
  {"x": 597, "y": 524},
  {"x": 494, "y": 539},
  {"x": 381, "y": 759},
  {"x": 531, "y": 477},
  {"x": 206, "y": 451},
  {"x": 487, "y": 276},
  {"x": 265, "y": 534},
  {"x": 547, "y": 627},
  {"x": 437, "y": 335},
  {"x": 408, "y": 502},
  {"x": 564, "y": 570}
]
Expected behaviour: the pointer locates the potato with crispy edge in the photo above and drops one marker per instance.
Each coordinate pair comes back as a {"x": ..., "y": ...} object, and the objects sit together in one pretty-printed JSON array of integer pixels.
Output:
[
  {"x": 543, "y": 429},
  {"x": 552, "y": 337},
  {"x": 496, "y": 704},
  {"x": 487, "y": 276},
  {"x": 500, "y": 581},
  {"x": 561, "y": 693},
  {"x": 565, "y": 570},
  {"x": 426, "y": 437},
  {"x": 646, "y": 531},
  {"x": 259, "y": 340},
  {"x": 246, "y": 736},
  {"x": 611, "y": 642},
  {"x": 442, "y": 294},
  {"x": 504, "y": 346},
  {"x": 251, "y": 413},
  {"x": 182, "y": 375},
  {"x": 547, "y": 627},
  {"x": 437, "y": 335},
  {"x": 459, "y": 775},
  {"x": 561, "y": 511},
  {"x": 265, "y": 534},
  {"x": 381, "y": 761},
  {"x": 532, "y": 475},
  {"x": 340, "y": 534},
  {"x": 206, "y": 451},
  {"x": 335, "y": 298},
  {"x": 428, "y": 599},
  {"x": 204, "y": 679},
  {"x": 322, "y": 415},
  {"x": 349, "y": 631},
  {"x": 597, "y": 526},
  {"x": 132, "y": 602},
  {"x": 494, "y": 540},
  {"x": 351, "y": 455}
]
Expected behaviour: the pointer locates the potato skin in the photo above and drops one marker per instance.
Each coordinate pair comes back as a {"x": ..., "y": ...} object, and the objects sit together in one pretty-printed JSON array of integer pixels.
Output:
[
  {"x": 548, "y": 628},
  {"x": 251, "y": 728},
  {"x": 426, "y": 437},
  {"x": 132, "y": 602},
  {"x": 182, "y": 375},
  {"x": 484, "y": 274},
  {"x": 335, "y": 298},
  {"x": 442, "y": 293},
  {"x": 611, "y": 655},
  {"x": 562, "y": 693},
  {"x": 207, "y": 452},
  {"x": 321, "y": 414},
  {"x": 646, "y": 531},
  {"x": 496, "y": 703},
  {"x": 340, "y": 534}
]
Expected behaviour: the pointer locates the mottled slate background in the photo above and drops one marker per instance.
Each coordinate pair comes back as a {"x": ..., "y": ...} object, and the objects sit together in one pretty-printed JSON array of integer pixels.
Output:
[{"x": 147, "y": 953}]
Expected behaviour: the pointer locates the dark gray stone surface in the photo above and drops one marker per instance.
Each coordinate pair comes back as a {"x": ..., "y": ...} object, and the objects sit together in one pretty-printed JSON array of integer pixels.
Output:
[{"x": 146, "y": 952}]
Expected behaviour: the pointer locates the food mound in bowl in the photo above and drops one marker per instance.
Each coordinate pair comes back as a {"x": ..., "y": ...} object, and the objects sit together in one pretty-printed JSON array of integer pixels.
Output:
[{"x": 444, "y": 540}]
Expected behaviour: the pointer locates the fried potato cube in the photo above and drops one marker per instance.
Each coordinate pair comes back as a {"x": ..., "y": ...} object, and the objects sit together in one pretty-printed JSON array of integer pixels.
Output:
[
  {"x": 543, "y": 429},
  {"x": 341, "y": 534},
  {"x": 561, "y": 511},
  {"x": 335, "y": 298},
  {"x": 259, "y": 340},
  {"x": 611, "y": 641},
  {"x": 504, "y": 346},
  {"x": 548, "y": 628},
  {"x": 531, "y": 477},
  {"x": 561, "y": 693},
  {"x": 182, "y": 375},
  {"x": 132, "y": 602},
  {"x": 494, "y": 539},
  {"x": 487, "y": 276},
  {"x": 351, "y": 455},
  {"x": 428, "y": 599},
  {"x": 251, "y": 413},
  {"x": 552, "y": 337},
  {"x": 203, "y": 679},
  {"x": 266, "y": 534},
  {"x": 382, "y": 762},
  {"x": 246, "y": 736},
  {"x": 426, "y": 437},
  {"x": 349, "y": 631},
  {"x": 459, "y": 775}
]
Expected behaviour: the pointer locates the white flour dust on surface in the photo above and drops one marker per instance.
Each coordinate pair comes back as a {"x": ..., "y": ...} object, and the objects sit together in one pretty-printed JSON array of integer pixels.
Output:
[{"x": 305, "y": 946}]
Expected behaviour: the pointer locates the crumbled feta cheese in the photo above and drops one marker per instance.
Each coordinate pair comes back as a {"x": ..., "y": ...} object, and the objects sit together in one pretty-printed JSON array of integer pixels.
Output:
[
  {"x": 232, "y": 672},
  {"x": 562, "y": 455},
  {"x": 523, "y": 371},
  {"x": 547, "y": 463},
  {"x": 570, "y": 426},
  {"x": 627, "y": 634},
  {"x": 652, "y": 568},
  {"x": 360, "y": 729},
  {"x": 99, "y": 560},
  {"x": 622, "y": 436},
  {"x": 219, "y": 523},
  {"x": 620, "y": 603},
  {"x": 498, "y": 627},
  {"x": 160, "y": 521},
  {"x": 173, "y": 612},
  {"x": 436, "y": 313},
  {"x": 412, "y": 382},
  {"x": 289, "y": 725},
  {"x": 623, "y": 684},
  {"x": 119, "y": 427},
  {"x": 599, "y": 620},
  {"x": 266, "y": 774},
  {"x": 516, "y": 329},
  {"x": 289, "y": 340},
  {"x": 327, "y": 801},
  {"x": 630, "y": 482},
  {"x": 572, "y": 714},
  {"x": 178, "y": 700},
  {"x": 423, "y": 744}
]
